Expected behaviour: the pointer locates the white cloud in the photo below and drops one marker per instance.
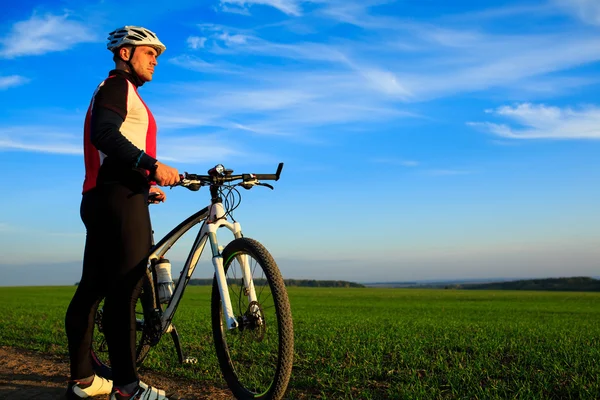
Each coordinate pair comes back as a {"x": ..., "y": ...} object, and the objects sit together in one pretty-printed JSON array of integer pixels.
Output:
[
  {"x": 44, "y": 34},
  {"x": 425, "y": 171},
  {"x": 378, "y": 79},
  {"x": 196, "y": 42},
  {"x": 171, "y": 120},
  {"x": 292, "y": 103},
  {"x": 264, "y": 99},
  {"x": 448, "y": 172},
  {"x": 237, "y": 39},
  {"x": 185, "y": 149},
  {"x": 207, "y": 148},
  {"x": 436, "y": 59},
  {"x": 358, "y": 14},
  {"x": 197, "y": 64},
  {"x": 495, "y": 61},
  {"x": 235, "y": 10},
  {"x": 399, "y": 162},
  {"x": 586, "y": 10},
  {"x": 290, "y": 7},
  {"x": 385, "y": 82},
  {"x": 415, "y": 61},
  {"x": 539, "y": 121},
  {"x": 11, "y": 81},
  {"x": 41, "y": 139},
  {"x": 450, "y": 38},
  {"x": 203, "y": 150},
  {"x": 506, "y": 11},
  {"x": 226, "y": 41}
]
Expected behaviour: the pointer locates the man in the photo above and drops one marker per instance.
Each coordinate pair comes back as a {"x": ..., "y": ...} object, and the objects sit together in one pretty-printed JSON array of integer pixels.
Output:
[{"x": 120, "y": 160}]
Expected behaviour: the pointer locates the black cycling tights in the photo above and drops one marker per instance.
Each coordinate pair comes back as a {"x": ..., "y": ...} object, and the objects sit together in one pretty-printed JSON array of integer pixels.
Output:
[{"x": 119, "y": 236}]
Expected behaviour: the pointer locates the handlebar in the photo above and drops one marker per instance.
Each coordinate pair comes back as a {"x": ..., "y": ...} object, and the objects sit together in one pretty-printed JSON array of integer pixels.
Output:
[{"x": 219, "y": 175}]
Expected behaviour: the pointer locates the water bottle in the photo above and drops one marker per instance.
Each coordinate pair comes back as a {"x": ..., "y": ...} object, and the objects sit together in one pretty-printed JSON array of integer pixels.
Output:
[{"x": 164, "y": 280}]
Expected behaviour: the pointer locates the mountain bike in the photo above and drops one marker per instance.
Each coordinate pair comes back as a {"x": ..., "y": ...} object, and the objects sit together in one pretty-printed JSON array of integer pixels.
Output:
[{"x": 250, "y": 312}]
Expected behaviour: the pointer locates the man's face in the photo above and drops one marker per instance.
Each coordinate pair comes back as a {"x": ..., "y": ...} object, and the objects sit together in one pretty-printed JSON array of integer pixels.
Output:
[{"x": 144, "y": 61}]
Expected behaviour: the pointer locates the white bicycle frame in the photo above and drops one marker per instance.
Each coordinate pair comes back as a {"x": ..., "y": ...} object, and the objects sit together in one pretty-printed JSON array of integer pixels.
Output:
[{"x": 212, "y": 217}]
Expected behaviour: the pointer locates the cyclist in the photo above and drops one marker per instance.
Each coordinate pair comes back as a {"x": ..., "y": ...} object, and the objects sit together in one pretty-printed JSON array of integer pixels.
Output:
[{"x": 120, "y": 160}]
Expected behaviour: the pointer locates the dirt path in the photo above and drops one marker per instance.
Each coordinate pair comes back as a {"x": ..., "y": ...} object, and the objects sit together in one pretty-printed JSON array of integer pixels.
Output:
[{"x": 30, "y": 375}]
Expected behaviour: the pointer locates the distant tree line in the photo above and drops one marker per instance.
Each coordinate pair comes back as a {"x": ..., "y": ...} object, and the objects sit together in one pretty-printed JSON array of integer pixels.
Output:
[
  {"x": 574, "y": 284},
  {"x": 288, "y": 282}
]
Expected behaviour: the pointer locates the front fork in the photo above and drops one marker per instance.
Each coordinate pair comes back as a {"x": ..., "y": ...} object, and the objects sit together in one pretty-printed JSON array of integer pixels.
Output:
[{"x": 216, "y": 221}]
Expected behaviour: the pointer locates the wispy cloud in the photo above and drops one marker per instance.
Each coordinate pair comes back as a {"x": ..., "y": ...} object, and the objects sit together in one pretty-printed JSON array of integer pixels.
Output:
[
  {"x": 195, "y": 63},
  {"x": 417, "y": 61},
  {"x": 420, "y": 168},
  {"x": 41, "y": 139},
  {"x": 11, "y": 81},
  {"x": 290, "y": 7},
  {"x": 358, "y": 14},
  {"x": 396, "y": 161},
  {"x": 293, "y": 104},
  {"x": 226, "y": 41},
  {"x": 20, "y": 230},
  {"x": 586, "y": 10},
  {"x": 196, "y": 42},
  {"x": 186, "y": 149},
  {"x": 489, "y": 61},
  {"x": 234, "y": 10},
  {"x": 539, "y": 121},
  {"x": 44, "y": 34},
  {"x": 448, "y": 172},
  {"x": 356, "y": 82},
  {"x": 205, "y": 150},
  {"x": 181, "y": 148},
  {"x": 505, "y": 11}
]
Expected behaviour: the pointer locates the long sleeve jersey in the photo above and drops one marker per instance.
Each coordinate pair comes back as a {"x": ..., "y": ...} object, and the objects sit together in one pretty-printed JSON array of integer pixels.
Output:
[{"x": 119, "y": 133}]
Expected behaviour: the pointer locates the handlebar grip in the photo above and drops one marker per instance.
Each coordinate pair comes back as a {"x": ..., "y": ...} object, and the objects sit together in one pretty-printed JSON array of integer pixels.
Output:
[
  {"x": 266, "y": 177},
  {"x": 271, "y": 177}
]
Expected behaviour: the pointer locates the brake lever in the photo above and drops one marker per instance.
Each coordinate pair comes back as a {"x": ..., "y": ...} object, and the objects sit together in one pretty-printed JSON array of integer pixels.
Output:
[
  {"x": 265, "y": 184},
  {"x": 249, "y": 185},
  {"x": 152, "y": 198},
  {"x": 184, "y": 181}
]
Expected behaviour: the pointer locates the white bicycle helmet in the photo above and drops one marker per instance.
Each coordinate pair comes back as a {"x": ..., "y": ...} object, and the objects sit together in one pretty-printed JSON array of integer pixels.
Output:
[{"x": 136, "y": 36}]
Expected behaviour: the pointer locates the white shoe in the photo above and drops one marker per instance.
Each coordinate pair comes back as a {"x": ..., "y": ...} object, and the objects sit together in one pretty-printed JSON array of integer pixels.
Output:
[
  {"x": 99, "y": 386},
  {"x": 144, "y": 392}
]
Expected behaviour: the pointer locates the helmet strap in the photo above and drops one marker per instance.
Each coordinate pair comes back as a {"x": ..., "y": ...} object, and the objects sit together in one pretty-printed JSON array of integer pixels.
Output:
[{"x": 138, "y": 81}]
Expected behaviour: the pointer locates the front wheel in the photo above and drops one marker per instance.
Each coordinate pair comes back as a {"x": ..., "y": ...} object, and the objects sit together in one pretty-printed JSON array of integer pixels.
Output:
[{"x": 256, "y": 357}]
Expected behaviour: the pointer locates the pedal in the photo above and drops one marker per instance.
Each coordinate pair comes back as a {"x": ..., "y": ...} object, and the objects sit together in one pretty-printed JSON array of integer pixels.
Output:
[{"x": 190, "y": 360}]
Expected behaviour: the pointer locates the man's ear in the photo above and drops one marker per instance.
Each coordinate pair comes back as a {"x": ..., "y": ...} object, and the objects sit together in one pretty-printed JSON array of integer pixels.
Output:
[{"x": 125, "y": 53}]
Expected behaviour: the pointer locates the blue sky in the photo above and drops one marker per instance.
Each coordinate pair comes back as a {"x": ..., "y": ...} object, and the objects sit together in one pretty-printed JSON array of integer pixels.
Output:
[{"x": 421, "y": 140}]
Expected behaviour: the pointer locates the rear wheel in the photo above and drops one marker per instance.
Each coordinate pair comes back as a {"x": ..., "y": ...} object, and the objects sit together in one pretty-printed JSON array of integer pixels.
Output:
[
  {"x": 99, "y": 350},
  {"x": 256, "y": 357}
]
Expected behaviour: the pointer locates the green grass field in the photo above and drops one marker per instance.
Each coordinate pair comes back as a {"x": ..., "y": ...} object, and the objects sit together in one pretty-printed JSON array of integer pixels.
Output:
[{"x": 381, "y": 343}]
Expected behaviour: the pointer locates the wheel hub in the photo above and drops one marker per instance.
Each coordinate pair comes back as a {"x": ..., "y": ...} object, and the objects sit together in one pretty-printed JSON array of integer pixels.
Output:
[{"x": 253, "y": 321}]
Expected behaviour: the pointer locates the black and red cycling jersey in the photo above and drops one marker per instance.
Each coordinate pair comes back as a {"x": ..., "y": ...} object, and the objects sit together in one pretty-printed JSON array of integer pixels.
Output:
[{"x": 119, "y": 133}]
